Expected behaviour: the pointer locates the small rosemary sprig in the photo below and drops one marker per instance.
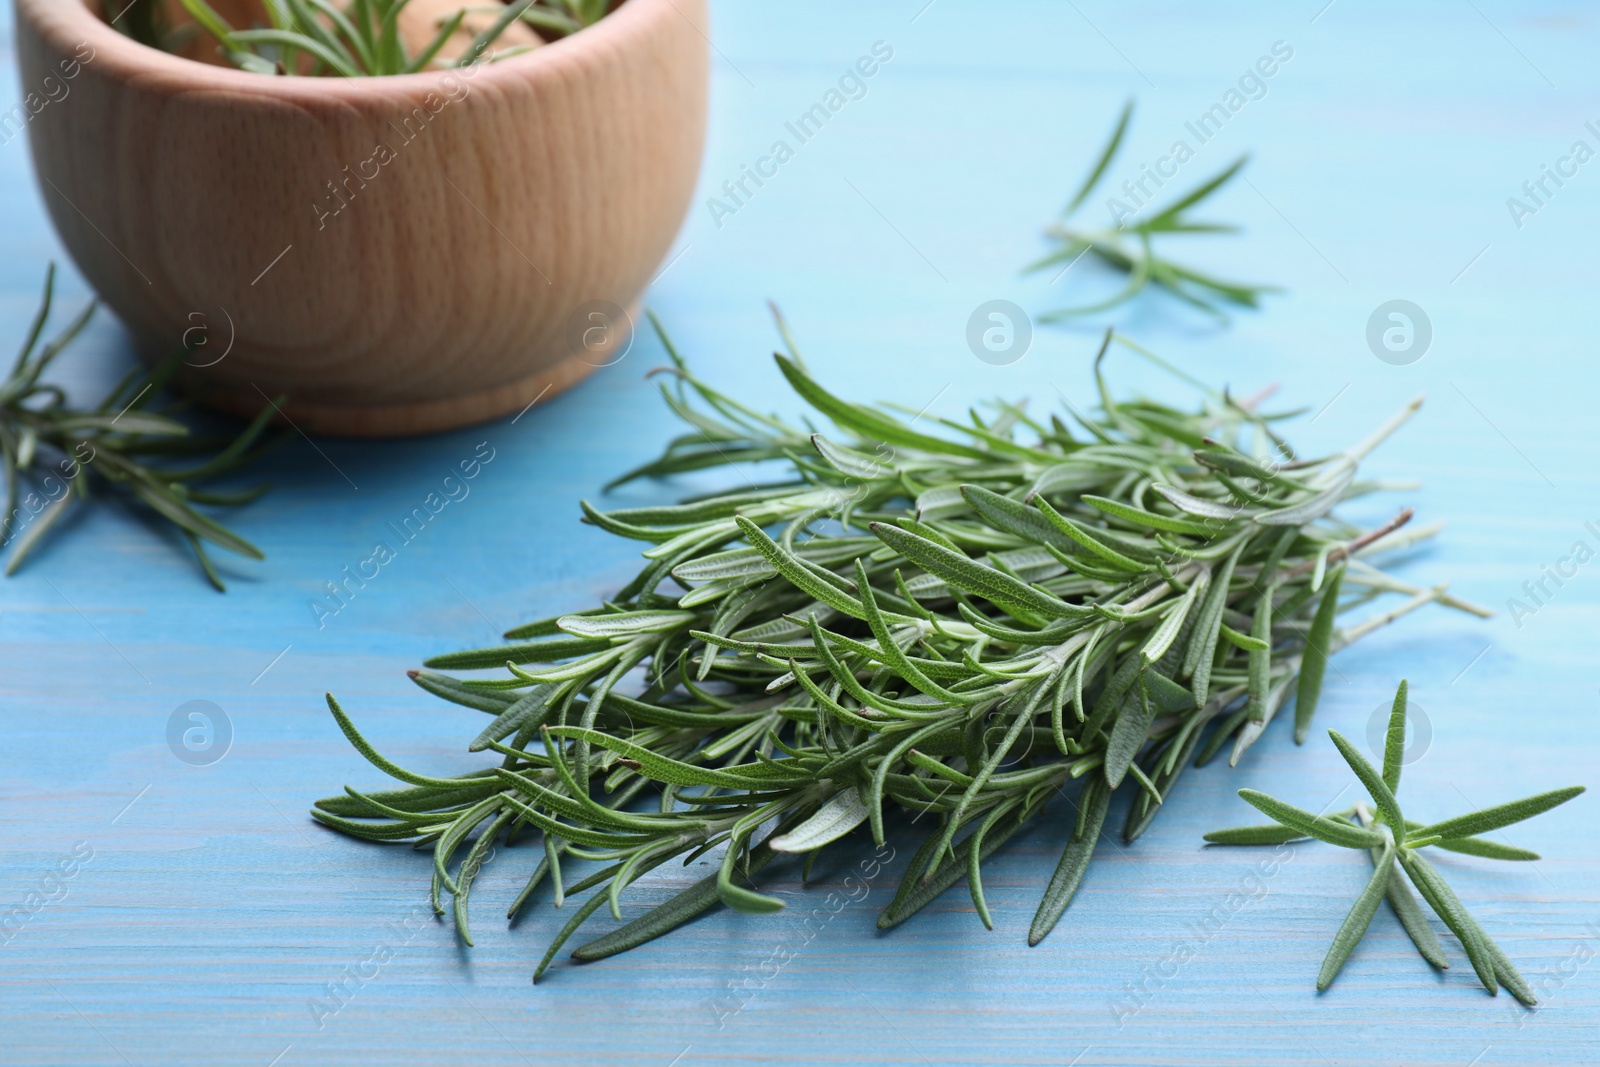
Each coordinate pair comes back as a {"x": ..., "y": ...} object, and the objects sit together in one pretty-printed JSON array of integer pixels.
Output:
[
  {"x": 363, "y": 38},
  {"x": 1392, "y": 843},
  {"x": 957, "y": 619},
  {"x": 1129, "y": 247},
  {"x": 59, "y": 453}
]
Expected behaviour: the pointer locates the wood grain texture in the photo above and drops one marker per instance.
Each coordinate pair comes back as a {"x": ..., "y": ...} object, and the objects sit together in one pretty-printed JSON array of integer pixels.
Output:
[
  {"x": 398, "y": 255},
  {"x": 214, "y": 914}
]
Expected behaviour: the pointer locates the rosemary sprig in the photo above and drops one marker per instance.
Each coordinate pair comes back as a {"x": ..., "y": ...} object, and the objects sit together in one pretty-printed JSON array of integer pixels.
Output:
[
  {"x": 1129, "y": 246},
  {"x": 1393, "y": 843},
  {"x": 959, "y": 621},
  {"x": 363, "y": 38},
  {"x": 54, "y": 454}
]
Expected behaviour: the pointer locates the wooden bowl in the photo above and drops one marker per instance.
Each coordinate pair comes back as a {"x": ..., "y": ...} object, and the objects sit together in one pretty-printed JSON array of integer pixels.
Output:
[{"x": 399, "y": 254}]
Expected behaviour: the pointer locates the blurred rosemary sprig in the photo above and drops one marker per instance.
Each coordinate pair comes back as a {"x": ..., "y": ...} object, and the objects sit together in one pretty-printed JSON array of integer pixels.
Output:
[
  {"x": 60, "y": 454},
  {"x": 363, "y": 37},
  {"x": 1130, "y": 246},
  {"x": 959, "y": 621},
  {"x": 1392, "y": 843}
]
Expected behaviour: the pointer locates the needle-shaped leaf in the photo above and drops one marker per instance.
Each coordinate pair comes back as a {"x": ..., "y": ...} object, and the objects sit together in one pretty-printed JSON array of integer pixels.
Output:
[
  {"x": 1107, "y": 154},
  {"x": 1314, "y": 665},
  {"x": 964, "y": 573},
  {"x": 1093, "y": 802},
  {"x": 841, "y": 814},
  {"x": 1481, "y": 822},
  {"x": 1382, "y": 795},
  {"x": 1356, "y": 922},
  {"x": 1442, "y": 899},
  {"x": 1269, "y": 834},
  {"x": 1394, "y": 738},
  {"x": 1324, "y": 829}
]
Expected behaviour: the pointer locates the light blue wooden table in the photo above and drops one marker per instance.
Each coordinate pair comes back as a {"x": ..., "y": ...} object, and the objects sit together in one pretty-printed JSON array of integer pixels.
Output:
[{"x": 207, "y": 915}]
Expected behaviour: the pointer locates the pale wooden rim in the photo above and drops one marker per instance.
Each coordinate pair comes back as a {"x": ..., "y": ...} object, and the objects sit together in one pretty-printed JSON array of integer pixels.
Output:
[{"x": 68, "y": 23}]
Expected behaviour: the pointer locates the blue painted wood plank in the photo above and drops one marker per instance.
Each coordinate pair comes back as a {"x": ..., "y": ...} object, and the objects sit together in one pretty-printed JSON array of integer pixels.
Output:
[{"x": 207, "y": 921}]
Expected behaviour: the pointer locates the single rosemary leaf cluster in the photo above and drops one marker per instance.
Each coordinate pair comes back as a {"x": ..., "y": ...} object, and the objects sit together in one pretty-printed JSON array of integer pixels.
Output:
[
  {"x": 360, "y": 37},
  {"x": 1129, "y": 246},
  {"x": 959, "y": 624},
  {"x": 1392, "y": 843},
  {"x": 55, "y": 454}
]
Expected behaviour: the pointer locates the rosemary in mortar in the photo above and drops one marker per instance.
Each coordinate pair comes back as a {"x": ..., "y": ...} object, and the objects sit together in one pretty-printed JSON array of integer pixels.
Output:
[
  {"x": 1383, "y": 832},
  {"x": 962, "y": 621},
  {"x": 363, "y": 37},
  {"x": 1129, "y": 246},
  {"x": 55, "y": 454}
]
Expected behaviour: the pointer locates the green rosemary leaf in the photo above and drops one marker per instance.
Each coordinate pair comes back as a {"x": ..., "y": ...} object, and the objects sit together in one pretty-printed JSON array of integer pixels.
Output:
[
  {"x": 1506, "y": 972},
  {"x": 1314, "y": 665},
  {"x": 1084, "y": 539},
  {"x": 869, "y": 424},
  {"x": 1206, "y": 509},
  {"x": 1260, "y": 659},
  {"x": 1324, "y": 829},
  {"x": 1201, "y": 655},
  {"x": 469, "y": 872},
  {"x": 1494, "y": 850},
  {"x": 1023, "y": 717},
  {"x": 1313, "y": 508},
  {"x": 917, "y": 893},
  {"x": 995, "y": 586},
  {"x": 1167, "y": 633},
  {"x": 440, "y": 685},
  {"x": 1270, "y": 834},
  {"x": 1406, "y": 908},
  {"x": 1394, "y": 741},
  {"x": 1481, "y": 822},
  {"x": 1092, "y": 805},
  {"x": 1444, "y": 903},
  {"x": 1014, "y": 516},
  {"x": 447, "y": 30},
  {"x": 168, "y": 506},
  {"x": 841, "y": 814},
  {"x": 1360, "y": 917},
  {"x": 667, "y": 916},
  {"x": 664, "y": 769},
  {"x": 1382, "y": 795},
  {"x": 41, "y": 526},
  {"x": 975, "y": 866},
  {"x": 480, "y": 44},
  {"x": 1150, "y": 519},
  {"x": 393, "y": 770},
  {"x": 1128, "y": 732},
  {"x": 624, "y": 624},
  {"x": 1106, "y": 155},
  {"x": 560, "y": 648},
  {"x": 588, "y": 908},
  {"x": 1245, "y": 642}
]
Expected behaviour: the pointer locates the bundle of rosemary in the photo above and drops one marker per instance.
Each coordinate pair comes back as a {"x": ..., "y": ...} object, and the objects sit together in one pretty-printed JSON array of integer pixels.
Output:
[{"x": 961, "y": 623}]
